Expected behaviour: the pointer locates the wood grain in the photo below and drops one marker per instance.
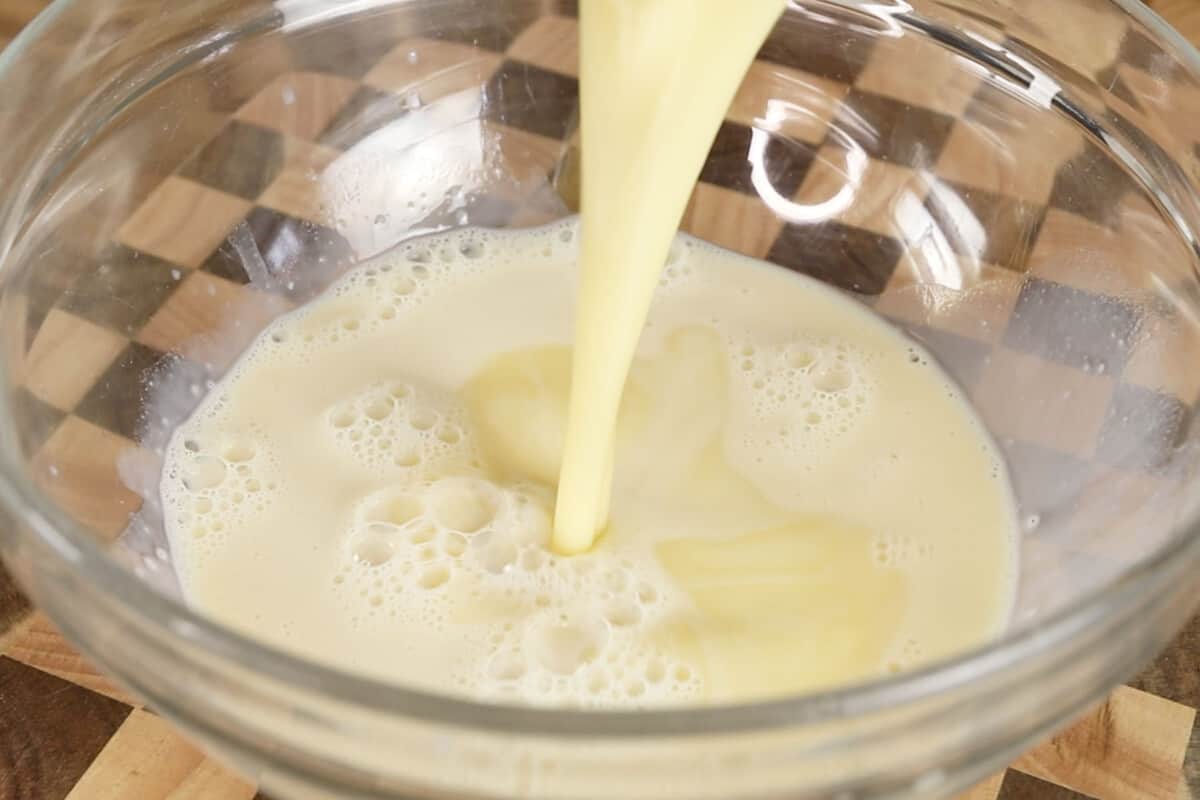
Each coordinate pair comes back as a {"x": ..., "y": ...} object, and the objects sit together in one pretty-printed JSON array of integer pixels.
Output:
[
  {"x": 1184, "y": 16},
  {"x": 77, "y": 468},
  {"x": 1132, "y": 745},
  {"x": 984, "y": 790},
  {"x": 37, "y": 643},
  {"x": 15, "y": 15},
  {"x": 299, "y": 104},
  {"x": 731, "y": 219},
  {"x": 14, "y": 609},
  {"x": 146, "y": 758},
  {"x": 182, "y": 221},
  {"x": 66, "y": 731},
  {"x": 44, "y": 754},
  {"x": 65, "y": 338}
]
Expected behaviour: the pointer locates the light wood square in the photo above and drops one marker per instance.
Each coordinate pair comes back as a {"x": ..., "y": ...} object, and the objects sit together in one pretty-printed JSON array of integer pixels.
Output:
[
  {"x": 526, "y": 155},
  {"x": 1172, "y": 106},
  {"x": 866, "y": 193},
  {"x": 14, "y": 309},
  {"x": 67, "y": 356},
  {"x": 1164, "y": 356},
  {"x": 786, "y": 101},
  {"x": 182, "y": 221},
  {"x": 550, "y": 43},
  {"x": 299, "y": 104},
  {"x": 1132, "y": 745},
  {"x": 943, "y": 82},
  {"x": 990, "y": 151},
  {"x": 1153, "y": 252},
  {"x": 303, "y": 188},
  {"x": 38, "y": 643},
  {"x": 77, "y": 469},
  {"x": 732, "y": 220},
  {"x": 1047, "y": 404},
  {"x": 955, "y": 295},
  {"x": 433, "y": 68},
  {"x": 211, "y": 320},
  {"x": 1088, "y": 43},
  {"x": 529, "y": 164},
  {"x": 1122, "y": 515},
  {"x": 146, "y": 758},
  {"x": 1078, "y": 252}
]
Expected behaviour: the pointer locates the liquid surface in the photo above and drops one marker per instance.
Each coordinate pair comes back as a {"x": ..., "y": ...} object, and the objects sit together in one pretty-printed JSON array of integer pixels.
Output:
[
  {"x": 656, "y": 77},
  {"x": 801, "y": 498}
]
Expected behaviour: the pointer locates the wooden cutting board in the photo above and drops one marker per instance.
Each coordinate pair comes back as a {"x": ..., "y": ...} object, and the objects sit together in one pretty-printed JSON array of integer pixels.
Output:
[{"x": 67, "y": 731}]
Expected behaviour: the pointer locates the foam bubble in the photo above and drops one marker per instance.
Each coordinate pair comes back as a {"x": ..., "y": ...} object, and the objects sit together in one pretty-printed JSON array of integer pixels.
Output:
[
  {"x": 899, "y": 550},
  {"x": 373, "y": 547},
  {"x": 213, "y": 480},
  {"x": 471, "y": 538},
  {"x": 386, "y": 426},
  {"x": 464, "y": 505}
]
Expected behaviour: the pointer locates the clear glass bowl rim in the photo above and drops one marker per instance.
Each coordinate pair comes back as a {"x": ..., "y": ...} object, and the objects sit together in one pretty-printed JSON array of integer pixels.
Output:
[{"x": 65, "y": 541}]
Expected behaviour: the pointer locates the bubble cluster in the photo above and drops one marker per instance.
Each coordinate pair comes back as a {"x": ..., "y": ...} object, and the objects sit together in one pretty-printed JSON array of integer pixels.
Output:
[
  {"x": 906, "y": 654},
  {"x": 215, "y": 483},
  {"x": 899, "y": 550},
  {"x": 398, "y": 426},
  {"x": 803, "y": 396},
  {"x": 467, "y": 556},
  {"x": 678, "y": 267}
]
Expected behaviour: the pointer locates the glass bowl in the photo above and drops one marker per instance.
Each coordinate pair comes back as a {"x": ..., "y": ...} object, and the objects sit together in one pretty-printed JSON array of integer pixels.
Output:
[{"x": 1011, "y": 182}]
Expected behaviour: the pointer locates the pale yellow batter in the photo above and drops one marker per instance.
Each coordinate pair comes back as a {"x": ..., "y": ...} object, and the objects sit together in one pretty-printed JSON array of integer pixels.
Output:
[
  {"x": 405, "y": 477},
  {"x": 800, "y": 497}
]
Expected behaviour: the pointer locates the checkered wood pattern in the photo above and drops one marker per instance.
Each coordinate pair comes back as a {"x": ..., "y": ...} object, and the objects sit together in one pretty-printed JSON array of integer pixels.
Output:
[{"x": 173, "y": 276}]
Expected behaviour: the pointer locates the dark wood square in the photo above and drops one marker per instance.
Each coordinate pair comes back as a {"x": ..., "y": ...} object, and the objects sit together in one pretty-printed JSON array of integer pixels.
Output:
[
  {"x": 962, "y": 357},
  {"x": 1091, "y": 185},
  {"x": 243, "y": 160},
  {"x": 731, "y": 161},
  {"x": 124, "y": 290},
  {"x": 1045, "y": 481},
  {"x": 985, "y": 226},
  {"x": 117, "y": 401},
  {"x": 533, "y": 99},
  {"x": 292, "y": 257},
  {"x": 894, "y": 131},
  {"x": 850, "y": 258},
  {"x": 838, "y": 54},
  {"x": 47, "y": 280},
  {"x": 1143, "y": 428},
  {"x": 349, "y": 51},
  {"x": 491, "y": 26},
  {"x": 14, "y": 605},
  {"x": 34, "y": 420},
  {"x": 1060, "y": 323},
  {"x": 1019, "y": 786},
  {"x": 45, "y": 755}
]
